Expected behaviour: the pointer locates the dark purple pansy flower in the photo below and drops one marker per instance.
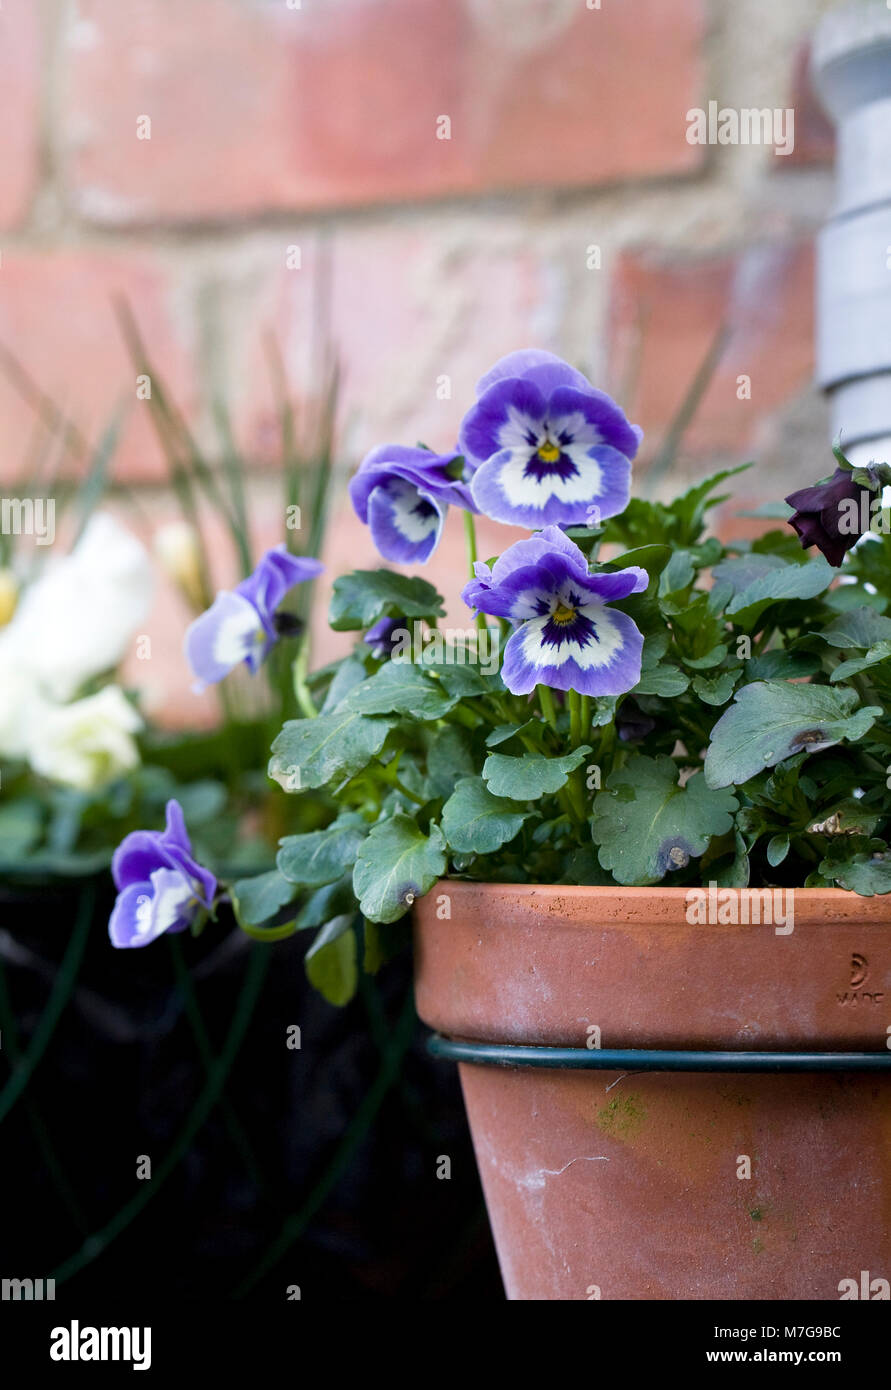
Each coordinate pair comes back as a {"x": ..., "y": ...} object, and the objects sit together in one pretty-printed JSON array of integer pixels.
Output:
[
  {"x": 244, "y": 625},
  {"x": 545, "y": 446},
  {"x": 403, "y": 495},
  {"x": 385, "y": 634},
  {"x": 567, "y": 637},
  {"x": 160, "y": 886},
  {"x": 830, "y": 515}
]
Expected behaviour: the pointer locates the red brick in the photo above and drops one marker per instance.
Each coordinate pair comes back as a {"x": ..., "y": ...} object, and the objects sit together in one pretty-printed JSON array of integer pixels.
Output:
[
  {"x": 21, "y": 40},
  {"x": 255, "y": 106},
  {"x": 814, "y": 132},
  {"x": 408, "y": 305},
  {"x": 57, "y": 318},
  {"x": 665, "y": 314}
]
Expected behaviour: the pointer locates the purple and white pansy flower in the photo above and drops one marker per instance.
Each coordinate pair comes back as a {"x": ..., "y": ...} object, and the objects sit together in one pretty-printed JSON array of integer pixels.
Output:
[
  {"x": 403, "y": 495},
  {"x": 243, "y": 625},
  {"x": 567, "y": 636},
  {"x": 161, "y": 888},
  {"x": 545, "y": 447}
]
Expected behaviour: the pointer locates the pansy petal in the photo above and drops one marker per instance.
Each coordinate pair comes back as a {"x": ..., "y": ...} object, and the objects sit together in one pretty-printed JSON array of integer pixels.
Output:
[
  {"x": 598, "y": 654},
  {"x": 145, "y": 911},
  {"x": 508, "y": 416},
  {"x": 597, "y": 486},
  {"x": 405, "y": 523},
  {"x": 228, "y": 633},
  {"x": 529, "y": 552},
  {"x": 595, "y": 416},
  {"x": 276, "y": 574},
  {"x": 425, "y": 470},
  {"x": 618, "y": 584},
  {"x": 126, "y": 924},
  {"x": 178, "y": 847},
  {"x": 540, "y": 366}
]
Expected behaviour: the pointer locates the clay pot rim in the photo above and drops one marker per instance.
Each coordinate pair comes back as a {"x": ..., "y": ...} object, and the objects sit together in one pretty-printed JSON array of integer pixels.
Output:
[{"x": 634, "y": 905}]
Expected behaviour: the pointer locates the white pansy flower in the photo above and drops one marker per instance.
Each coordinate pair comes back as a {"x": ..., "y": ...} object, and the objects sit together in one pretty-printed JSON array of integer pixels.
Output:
[
  {"x": 78, "y": 618},
  {"x": 87, "y": 743}
]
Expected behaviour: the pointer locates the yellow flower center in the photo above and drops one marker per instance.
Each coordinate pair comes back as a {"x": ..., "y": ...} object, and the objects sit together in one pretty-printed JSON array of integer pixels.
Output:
[
  {"x": 549, "y": 452},
  {"x": 562, "y": 614}
]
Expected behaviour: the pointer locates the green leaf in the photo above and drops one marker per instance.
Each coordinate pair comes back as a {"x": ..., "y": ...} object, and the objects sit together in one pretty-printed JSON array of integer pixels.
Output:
[
  {"x": 532, "y": 774},
  {"x": 255, "y": 900},
  {"x": 21, "y": 827},
  {"x": 331, "y": 901},
  {"x": 311, "y": 752},
  {"x": 476, "y": 822},
  {"x": 874, "y": 657},
  {"x": 862, "y": 866},
  {"x": 350, "y": 673},
  {"x": 777, "y": 849},
  {"x": 782, "y": 665},
  {"x": 400, "y": 687},
  {"x": 361, "y": 598},
  {"x": 449, "y": 757},
  {"x": 772, "y": 720},
  {"x": 397, "y": 864},
  {"x": 331, "y": 961},
  {"x": 858, "y": 627},
  {"x": 647, "y": 825},
  {"x": 382, "y": 941},
  {"x": 322, "y": 856},
  {"x": 663, "y": 679},
  {"x": 502, "y": 732},
  {"x": 652, "y": 558},
  {"x": 777, "y": 584},
  {"x": 716, "y": 690},
  {"x": 462, "y": 679}
]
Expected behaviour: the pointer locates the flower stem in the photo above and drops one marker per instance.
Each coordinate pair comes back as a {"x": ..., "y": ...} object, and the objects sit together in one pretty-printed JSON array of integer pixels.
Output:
[
  {"x": 470, "y": 538},
  {"x": 299, "y": 671},
  {"x": 574, "y": 700},
  {"x": 546, "y": 704},
  {"x": 584, "y": 717}
]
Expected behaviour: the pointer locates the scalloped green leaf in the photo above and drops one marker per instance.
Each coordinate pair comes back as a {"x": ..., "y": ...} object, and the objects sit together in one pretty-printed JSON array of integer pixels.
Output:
[
  {"x": 312, "y": 752},
  {"x": 362, "y": 597},
  {"x": 647, "y": 825},
  {"x": 531, "y": 775},
  {"x": 476, "y": 822},
  {"x": 772, "y": 720},
  {"x": 321, "y": 856},
  {"x": 396, "y": 864},
  {"x": 331, "y": 961},
  {"x": 402, "y": 688}
]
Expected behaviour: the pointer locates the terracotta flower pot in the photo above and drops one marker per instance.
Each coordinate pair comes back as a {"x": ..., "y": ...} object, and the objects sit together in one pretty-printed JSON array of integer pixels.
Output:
[{"x": 671, "y": 1185}]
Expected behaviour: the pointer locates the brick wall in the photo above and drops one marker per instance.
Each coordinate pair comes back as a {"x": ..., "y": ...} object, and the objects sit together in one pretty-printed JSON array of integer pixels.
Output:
[{"x": 566, "y": 210}]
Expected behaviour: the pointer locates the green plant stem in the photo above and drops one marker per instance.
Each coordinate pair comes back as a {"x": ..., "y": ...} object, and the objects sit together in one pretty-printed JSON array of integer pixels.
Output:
[
  {"x": 401, "y": 787},
  {"x": 470, "y": 538},
  {"x": 547, "y": 706},
  {"x": 585, "y": 717},
  {"x": 299, "y": 670},
  {"x": 575, "y": 717}
]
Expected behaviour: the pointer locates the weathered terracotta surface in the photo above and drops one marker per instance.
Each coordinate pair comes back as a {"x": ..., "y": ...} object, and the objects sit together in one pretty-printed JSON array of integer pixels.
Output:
[{"x": 612, "y": 1186}]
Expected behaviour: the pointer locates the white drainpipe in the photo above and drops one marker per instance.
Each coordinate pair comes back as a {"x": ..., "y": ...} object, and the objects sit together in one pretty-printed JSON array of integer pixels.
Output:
[{"x": 852, "y": 75}]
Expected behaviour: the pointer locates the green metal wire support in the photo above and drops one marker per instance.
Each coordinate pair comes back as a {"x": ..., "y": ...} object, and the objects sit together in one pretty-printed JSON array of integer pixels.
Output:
[{"x": 639, "y": 1059}]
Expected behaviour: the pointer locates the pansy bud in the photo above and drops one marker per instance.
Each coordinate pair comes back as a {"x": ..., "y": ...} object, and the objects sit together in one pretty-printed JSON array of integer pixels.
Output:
[
  {"x": 9, "y": 595},
  {"x": 178, "y": 551}
]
